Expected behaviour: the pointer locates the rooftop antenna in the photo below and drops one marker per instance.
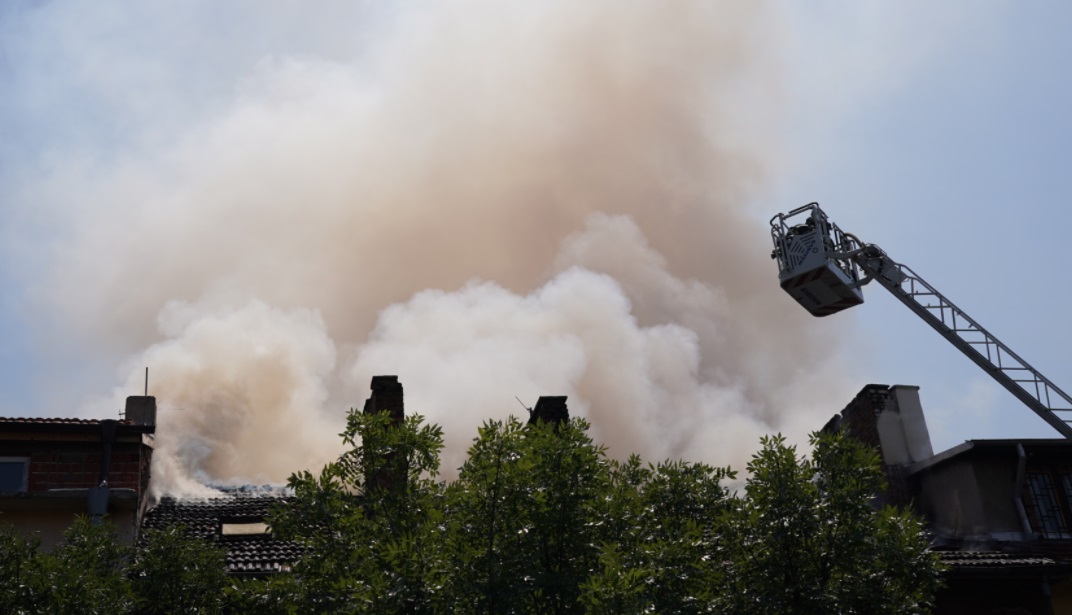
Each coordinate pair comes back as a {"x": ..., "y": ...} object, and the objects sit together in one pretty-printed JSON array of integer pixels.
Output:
[
  {"x": 523, "y": 405},
  {"x": 146, "y": 381}
]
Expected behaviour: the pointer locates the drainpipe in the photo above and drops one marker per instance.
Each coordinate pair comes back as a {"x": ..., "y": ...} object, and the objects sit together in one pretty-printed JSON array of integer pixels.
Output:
[
  {"x": 1017, "y": 496},
  {"x": 98, "y": 496}
]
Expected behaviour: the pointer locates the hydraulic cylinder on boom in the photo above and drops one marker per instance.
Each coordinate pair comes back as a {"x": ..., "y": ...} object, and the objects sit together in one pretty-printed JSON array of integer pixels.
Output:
[{"x": 824, "y": 269}]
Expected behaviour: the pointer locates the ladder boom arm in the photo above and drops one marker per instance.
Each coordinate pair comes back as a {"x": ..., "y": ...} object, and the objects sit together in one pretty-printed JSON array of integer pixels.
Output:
[{"x": 987, "y": 351}]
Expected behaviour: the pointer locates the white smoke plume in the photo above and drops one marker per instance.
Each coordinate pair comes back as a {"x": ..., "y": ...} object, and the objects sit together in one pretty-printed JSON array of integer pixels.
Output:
[{"x": 491, "y": 199}]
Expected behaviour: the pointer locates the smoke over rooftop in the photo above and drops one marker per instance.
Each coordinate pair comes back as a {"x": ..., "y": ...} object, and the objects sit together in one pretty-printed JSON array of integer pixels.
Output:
[{"x": 488, "y": 199}]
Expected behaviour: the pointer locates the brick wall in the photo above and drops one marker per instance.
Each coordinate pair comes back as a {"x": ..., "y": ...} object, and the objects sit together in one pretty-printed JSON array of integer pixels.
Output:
[
  {"x": 54, "y": 469},
  {"x": 79, "y": 468},
  {"x": 124, "y": 472},
  {"x": 859, "y": 419},
  {"x": 144, "y": 463}
]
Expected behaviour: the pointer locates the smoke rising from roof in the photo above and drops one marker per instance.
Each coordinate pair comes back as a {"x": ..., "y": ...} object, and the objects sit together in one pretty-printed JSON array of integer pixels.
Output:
[{"x": 489, "y": 200}]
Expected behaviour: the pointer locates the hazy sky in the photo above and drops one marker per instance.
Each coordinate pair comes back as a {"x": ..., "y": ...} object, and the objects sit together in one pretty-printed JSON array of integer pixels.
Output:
[
  {"x": 953, "y": 157},
  {"x": 267, "y": 204}
]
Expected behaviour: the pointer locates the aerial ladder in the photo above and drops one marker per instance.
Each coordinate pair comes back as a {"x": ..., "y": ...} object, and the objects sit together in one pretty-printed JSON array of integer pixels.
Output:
[{"x": 824, "y": 269}]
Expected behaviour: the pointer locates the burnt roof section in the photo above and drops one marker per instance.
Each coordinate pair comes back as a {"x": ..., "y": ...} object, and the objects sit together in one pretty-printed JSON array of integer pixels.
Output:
[{"x": 247, "y": 555}]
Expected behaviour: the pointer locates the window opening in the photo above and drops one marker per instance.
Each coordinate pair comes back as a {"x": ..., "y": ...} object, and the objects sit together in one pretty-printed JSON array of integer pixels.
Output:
[
  {"x": 243, "y": 529},
  {"x": 1048, "y": 500},
  {"x": 14, "y": 472}
]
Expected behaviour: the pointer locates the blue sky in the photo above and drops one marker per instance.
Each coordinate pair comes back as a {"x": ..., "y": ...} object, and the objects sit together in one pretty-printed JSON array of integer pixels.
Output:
[
  {"x": 941, "y": 133},
  {"x": 960, "y": 171}
]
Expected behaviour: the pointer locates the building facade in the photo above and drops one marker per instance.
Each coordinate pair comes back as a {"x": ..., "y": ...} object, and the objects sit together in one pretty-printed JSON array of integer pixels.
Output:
[
  {"x": 53, "y": 469},
  {"x": 1000, "y": 511}
]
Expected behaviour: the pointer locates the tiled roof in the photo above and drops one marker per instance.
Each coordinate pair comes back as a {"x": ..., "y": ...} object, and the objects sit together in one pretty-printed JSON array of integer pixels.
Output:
[
  {"x": 260, "y": 555},
  {"x": 58, "y": 421},
  {"x": 991, "y": 559},
  {"x": 256, "y": 554},
  {"x": 59, "y": 425}
]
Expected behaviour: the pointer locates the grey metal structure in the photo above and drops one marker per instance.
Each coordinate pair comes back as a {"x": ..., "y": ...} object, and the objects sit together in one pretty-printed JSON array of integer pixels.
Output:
[{"x": 819, "y": 265}]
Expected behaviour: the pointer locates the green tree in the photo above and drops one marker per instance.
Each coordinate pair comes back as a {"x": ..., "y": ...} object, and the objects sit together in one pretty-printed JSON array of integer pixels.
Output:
[
  {"x": 522, "y": 516},
  {"x": 683, "y": 504},
  {"x": 372, "y": 521},
  {"x": 85, "y": 574},
  {"x": 568, "y": 478},
  {"x": 806, "y": 538},
  {"x": 489, "y": 514},
  {"x": 662, "y": 524},
  {"x": 91, "y": 572},
  {"x": 176, "y": 573},
  {"x": 20, "y": 587},
  {"x": 540, "y": 521},
  {"x": 279, "y": 594}
]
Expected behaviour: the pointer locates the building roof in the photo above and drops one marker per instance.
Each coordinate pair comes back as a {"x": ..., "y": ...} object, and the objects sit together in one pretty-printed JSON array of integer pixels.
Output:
[
  {"x": 70, "y": 425},
  {"x": 247, "y": 554},
  {"x": 62, "y": 421},
  {"x": 994, "y": 558},
  {"x": 1032, "y": 446},
  {"x": 1003, "y": 565},
  {"x": 991, "y": 559}
]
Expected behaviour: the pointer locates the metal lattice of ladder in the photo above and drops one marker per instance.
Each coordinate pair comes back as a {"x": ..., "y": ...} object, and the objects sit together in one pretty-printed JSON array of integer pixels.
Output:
[{"x": 987, "y": 351}]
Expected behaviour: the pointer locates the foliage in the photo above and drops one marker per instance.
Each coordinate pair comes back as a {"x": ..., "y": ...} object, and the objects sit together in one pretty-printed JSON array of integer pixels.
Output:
[
  {"x": 489, "y": 513},
  {"x": 522, "y": 518},
  {"x": 90, "y": 572},
  {"x": 807, "y": 539},
  {"x": 372, "y": 521},
  {"x": 539, "y": 520},
  {"x": 176, "y": 573},
  {"x": 85, "y": 573},
  {"x": 276, "y": 595},
  {"x": 662, "y": 526},
  {"x": 19, "y": 572}
]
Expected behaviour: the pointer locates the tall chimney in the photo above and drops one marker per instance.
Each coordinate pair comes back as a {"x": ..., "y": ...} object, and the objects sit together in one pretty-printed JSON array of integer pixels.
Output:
[
  {"x": 889, "y": 419},
  {"x": 141, "y": 409},
  {"x": 550, "y": 410},
  {"x": 386, "y": 395}
]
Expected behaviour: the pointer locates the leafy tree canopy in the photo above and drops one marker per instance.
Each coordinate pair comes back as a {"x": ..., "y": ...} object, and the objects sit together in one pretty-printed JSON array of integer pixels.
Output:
[{"x": 539, "y": 520}]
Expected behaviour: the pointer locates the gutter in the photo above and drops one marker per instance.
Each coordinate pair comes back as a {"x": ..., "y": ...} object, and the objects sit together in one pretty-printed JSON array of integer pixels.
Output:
[
  {"x": 97, "y": 499},
  {"x": 1018, "y": 489}
]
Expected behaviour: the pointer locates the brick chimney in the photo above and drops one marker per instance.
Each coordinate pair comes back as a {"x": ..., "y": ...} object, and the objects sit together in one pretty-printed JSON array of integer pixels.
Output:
[
  {"x": 386, "y": 395},
  {"x": 141, "y": 409},
  {"x": 889, "y": 419},
  {"x": 549, "y": 410}
]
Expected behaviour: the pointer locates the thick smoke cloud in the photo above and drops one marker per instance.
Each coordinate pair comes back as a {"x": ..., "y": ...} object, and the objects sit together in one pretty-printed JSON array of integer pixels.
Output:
[
  {"x": 243, "y": 394},
  {"x": 489, "y": 199}
]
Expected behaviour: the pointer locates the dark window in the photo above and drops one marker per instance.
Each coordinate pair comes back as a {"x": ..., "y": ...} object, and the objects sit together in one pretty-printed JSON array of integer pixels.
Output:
[
  {"x": 13, "y": 473},
  {"x": 1048, "y": 501}
]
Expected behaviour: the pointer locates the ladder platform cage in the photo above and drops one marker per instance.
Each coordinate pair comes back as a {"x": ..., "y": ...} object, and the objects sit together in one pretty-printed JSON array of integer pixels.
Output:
[{"x": 806, "y": 246}]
